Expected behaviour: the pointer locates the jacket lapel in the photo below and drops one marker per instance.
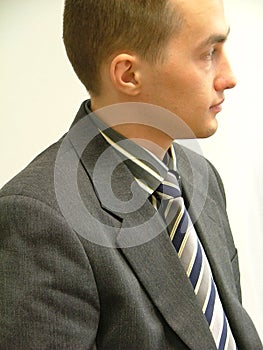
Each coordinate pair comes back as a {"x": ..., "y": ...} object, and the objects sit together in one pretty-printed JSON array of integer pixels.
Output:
[
  {"x": 145, "y": 243},
  {"x": 159, "y": 270}
]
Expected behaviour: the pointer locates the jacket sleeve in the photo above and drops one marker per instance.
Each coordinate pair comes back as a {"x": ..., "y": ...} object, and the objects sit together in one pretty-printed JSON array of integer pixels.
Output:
[{"x": 48, "y": 294}]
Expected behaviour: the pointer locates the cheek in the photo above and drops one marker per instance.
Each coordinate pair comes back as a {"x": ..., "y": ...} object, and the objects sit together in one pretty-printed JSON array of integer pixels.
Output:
[
  {"x": 186, "y": 89},
  {"x": 200, "y": 93}
]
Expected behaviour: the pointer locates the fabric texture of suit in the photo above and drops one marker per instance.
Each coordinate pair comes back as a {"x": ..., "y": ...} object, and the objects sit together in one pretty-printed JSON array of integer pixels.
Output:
[{"x": 60, "y": 289}]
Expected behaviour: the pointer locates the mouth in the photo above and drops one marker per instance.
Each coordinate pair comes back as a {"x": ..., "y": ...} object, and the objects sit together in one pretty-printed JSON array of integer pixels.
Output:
[{"x": 217, "y": 107}]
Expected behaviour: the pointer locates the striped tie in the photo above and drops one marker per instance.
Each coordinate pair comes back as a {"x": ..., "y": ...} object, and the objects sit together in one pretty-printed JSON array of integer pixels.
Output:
[{"x": 193, "y": 259}]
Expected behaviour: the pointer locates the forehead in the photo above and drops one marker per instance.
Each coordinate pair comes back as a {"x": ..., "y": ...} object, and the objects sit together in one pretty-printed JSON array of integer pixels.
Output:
[
  {"x": 202, "y": 16},
  {"x": 200, "y": 7}
]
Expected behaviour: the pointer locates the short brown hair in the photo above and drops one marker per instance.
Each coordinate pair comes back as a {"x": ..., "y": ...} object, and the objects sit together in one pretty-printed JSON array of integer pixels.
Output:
[{"x": 96, "y": 29}]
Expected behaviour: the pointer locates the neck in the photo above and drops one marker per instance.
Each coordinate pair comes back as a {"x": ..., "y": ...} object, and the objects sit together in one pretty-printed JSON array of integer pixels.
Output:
[
  {"x": 146, "y": 136},
  {"x": 136, "y": 121}
]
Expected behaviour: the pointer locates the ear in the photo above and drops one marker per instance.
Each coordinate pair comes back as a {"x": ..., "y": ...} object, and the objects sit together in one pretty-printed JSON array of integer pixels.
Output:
[{"x": 125, "y": 74}]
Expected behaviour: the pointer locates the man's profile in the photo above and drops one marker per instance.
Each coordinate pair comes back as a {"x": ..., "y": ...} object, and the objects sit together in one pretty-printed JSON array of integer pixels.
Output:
[{"x": 116, "y": 237}]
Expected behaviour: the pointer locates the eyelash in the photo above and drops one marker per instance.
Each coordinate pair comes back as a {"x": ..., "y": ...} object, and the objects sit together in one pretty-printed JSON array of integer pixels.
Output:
[{"x": 211, "y": 53}]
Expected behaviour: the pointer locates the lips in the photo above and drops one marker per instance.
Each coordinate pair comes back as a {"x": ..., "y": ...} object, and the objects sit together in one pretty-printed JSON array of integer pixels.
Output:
[{"x": 217, "y": 107}]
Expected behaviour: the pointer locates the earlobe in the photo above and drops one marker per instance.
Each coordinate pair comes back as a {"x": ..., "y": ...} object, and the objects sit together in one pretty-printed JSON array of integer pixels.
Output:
[{"x": 125, "y": 74}]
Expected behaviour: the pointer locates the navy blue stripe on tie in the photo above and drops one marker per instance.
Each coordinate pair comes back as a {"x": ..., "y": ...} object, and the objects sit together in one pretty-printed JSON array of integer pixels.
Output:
[
  {"x": 210, "y": 306},
  {"x": 194, "y": 275},
  {"x": 173, "y": 192},
  {"x": 180, "y": 232},
  {"x": 223, "y": 336}
]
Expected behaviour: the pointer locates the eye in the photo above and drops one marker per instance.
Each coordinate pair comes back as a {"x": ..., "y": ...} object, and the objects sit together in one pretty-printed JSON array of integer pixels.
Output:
[{"x": 211, "y": 53}]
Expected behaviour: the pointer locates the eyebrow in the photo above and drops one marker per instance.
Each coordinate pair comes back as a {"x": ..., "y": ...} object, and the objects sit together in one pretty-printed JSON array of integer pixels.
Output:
[{"x": 215, "y": 39}]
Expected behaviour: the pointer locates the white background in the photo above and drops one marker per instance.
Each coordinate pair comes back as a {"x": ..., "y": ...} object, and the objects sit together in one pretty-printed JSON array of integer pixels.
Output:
[{"x": 39, "y": 96}]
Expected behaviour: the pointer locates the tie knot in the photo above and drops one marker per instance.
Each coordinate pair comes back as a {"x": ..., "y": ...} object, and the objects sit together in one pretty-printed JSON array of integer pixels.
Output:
[{"x": 169, "y": 188}]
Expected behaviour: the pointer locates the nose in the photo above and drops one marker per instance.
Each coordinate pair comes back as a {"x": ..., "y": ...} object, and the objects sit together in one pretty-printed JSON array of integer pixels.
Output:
[{"x": 225, "y": 78}]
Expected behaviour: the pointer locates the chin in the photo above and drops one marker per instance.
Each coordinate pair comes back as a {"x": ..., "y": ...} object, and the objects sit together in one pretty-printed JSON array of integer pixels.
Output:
[{"x": 207, "y": 132}]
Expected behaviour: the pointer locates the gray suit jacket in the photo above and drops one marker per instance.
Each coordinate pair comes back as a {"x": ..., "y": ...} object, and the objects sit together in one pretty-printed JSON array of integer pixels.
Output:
[{"x": 78, "y": 273}]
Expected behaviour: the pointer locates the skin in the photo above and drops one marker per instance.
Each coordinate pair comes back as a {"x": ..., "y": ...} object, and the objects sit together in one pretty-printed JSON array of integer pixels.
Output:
[{"x": 189, "y": 81}]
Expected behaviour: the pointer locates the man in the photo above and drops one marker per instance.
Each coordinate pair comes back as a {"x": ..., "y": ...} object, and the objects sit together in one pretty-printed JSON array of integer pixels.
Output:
[{"x": 86, "y": 257}]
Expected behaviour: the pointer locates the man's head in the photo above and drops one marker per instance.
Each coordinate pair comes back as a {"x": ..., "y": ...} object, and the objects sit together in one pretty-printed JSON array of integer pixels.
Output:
[
  {"x": 95, "y": 30},
  {"x": 167, "y": 53}
]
